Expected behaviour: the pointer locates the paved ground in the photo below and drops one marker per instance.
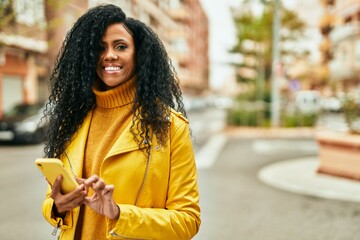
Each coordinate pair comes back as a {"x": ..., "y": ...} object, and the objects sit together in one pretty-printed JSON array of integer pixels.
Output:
[
  {"x": 263, "y": 184},
  {"x": 298, "y": 175}
]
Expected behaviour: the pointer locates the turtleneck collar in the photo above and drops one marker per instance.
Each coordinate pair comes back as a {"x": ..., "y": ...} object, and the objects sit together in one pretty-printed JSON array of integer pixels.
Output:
[{"x": 116, "y": 97}]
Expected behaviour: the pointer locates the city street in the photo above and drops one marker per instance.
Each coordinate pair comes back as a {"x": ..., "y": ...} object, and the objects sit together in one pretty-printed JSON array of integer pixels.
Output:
[
  {"x": 283, "y": 74},
  {"x": 235, "y": 203}
]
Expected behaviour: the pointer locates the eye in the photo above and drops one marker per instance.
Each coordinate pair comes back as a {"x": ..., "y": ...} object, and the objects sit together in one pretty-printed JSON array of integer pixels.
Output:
[
  {"x": 121, "y": 47},
  {"x": 102, "y": 48}
]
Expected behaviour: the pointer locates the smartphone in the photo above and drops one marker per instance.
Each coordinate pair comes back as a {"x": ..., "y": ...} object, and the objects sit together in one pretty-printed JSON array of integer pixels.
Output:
[{"x": 51, "y": 168}]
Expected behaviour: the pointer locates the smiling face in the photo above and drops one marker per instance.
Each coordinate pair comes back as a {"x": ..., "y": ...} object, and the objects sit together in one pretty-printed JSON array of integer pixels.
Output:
[{"x": 117, "y": 58}]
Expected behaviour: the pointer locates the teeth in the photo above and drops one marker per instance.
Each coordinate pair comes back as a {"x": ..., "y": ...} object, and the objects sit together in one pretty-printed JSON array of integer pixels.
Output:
[{"x": 112, "y": 68}]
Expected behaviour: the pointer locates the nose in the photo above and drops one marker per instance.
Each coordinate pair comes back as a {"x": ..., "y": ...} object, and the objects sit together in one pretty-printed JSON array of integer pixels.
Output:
[{"x": 110, "y": 54}]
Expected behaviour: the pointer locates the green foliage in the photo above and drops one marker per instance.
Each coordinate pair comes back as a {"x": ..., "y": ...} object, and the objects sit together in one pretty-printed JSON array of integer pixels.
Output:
[
  {"x": 254, "y": 117},
  {"x": 242, "y": 79},
  {"x": 7, "y": 14},
  {"x": 298, "y": 119},
  {"x": 260, "y": 117},
  {"x": 351, "y": 111},
  {"x": 249, "y": 110},
  {"x": 259, "y": 31},
  {"x": 240, "y": 117}
]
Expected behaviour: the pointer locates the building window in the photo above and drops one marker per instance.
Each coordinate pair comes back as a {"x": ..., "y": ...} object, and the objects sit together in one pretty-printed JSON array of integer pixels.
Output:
[
  {"x": 357, "y": 51},
  {"x": 180, "y": 45},
  {"x": 11, "y": 91},
  {"x": 30, "y": 12}
]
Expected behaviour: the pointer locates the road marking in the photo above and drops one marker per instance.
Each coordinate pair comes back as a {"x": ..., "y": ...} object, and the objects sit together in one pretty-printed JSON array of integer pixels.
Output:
[{"x": 207, "y": 155}]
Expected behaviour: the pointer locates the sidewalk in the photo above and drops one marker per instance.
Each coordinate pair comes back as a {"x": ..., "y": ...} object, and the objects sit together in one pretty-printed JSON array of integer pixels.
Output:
[
  {"x": 299, "y": 175},
  {"x": 253, "y": 132}
]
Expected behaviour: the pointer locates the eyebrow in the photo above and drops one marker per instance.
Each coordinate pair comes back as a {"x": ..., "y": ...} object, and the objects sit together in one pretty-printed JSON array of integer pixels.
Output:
[{"x": 118, "y": 41}]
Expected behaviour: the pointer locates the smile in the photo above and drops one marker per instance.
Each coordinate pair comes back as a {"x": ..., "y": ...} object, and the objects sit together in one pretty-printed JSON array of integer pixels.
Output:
[{"x": 112, "y": 68}]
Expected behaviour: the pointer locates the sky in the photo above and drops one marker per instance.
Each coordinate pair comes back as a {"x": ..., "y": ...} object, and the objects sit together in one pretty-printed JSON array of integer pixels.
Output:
[{"x": 222, "y": 34}]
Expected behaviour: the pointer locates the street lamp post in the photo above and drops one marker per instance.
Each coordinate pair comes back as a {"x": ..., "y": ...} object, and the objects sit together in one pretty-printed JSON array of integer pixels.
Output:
[
  {"x": 275, "y": 64},
  {"x": 275, "y": 91}
]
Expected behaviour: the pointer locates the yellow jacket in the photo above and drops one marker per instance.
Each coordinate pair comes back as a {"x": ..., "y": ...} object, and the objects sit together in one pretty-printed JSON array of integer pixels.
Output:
[{"x": 158, "y": 195}]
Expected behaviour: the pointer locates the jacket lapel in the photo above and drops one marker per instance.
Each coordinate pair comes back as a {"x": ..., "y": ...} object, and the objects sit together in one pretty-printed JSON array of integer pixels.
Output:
[
  {"x": 75, "y": 151},
  {"x": 125, "y": 143}
]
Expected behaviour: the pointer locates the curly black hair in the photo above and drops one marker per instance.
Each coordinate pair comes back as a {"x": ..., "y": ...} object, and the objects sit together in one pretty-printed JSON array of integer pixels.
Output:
[{"x": 74, "y": 74}]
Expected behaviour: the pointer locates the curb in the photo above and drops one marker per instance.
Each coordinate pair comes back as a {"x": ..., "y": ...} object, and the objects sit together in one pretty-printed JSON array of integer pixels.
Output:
[
  {"x": 300, "y": 176},
  {"x": 254, "y": 132}
]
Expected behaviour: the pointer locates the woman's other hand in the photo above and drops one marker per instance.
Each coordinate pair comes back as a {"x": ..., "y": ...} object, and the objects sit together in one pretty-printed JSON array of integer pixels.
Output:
[
  {"x": 101, "y": 201},
  {"x": 69, "y": 201}
]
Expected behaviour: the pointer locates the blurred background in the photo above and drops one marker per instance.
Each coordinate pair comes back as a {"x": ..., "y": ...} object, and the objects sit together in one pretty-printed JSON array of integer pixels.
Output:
[{"x": 271, "y": 88}]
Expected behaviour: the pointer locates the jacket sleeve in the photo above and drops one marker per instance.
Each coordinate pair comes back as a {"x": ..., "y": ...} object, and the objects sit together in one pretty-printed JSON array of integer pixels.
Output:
[
  {"x": 181, "y": 217},
  {"x": 47, "y": 211}
]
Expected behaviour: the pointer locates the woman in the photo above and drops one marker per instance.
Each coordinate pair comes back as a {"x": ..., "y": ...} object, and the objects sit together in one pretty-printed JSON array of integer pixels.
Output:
[{"x": 113, "y": 123}]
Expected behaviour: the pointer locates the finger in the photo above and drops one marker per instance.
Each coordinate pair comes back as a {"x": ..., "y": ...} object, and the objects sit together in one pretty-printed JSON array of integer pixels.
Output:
[
  {"x": 99, "y": 185},
  {"x": 48, "y": 182},
  {"x": 57, "y": 183},
  {"x": 80, "y": 199},
  {"x": 74, "y": 196},
  {"x": 69, "y": 205},
  {"x": 55, "y": 188},
  {"x": 80, "y": 180},
  {"x": 79, "y": 192},
  {"x": 83, "y": 188},
  {"x": 91, "y": 180},
  {"x": 108, "y": 191},
  {"x": 88, "y": 201},
  {"x": 70, "y": 200},
  {"x": 64, "y": 205},
  {"x": 91, "y": 199}
]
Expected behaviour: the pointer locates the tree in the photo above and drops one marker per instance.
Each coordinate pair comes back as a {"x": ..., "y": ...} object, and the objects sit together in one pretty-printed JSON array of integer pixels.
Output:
[
  {"x": 254, "y": 38},
  {"x": 7, "y": 15}
]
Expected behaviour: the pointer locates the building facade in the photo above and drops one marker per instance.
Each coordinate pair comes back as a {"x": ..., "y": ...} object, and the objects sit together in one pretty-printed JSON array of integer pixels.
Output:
[
  {"x": 23, "y": 63},
  {"x": 342, "y": 30},
  {"x": 26, "y": 58}
]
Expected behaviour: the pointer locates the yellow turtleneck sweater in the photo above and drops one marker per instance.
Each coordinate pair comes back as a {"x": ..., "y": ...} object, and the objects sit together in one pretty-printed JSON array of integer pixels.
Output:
[{"x": 113, "y": 112}]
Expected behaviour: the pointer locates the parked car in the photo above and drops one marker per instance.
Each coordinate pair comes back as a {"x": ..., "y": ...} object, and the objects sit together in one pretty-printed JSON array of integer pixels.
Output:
[
  {"x": 307, "y": 101},
  {"x": 23, "y": 123},
  {"x": 331, "y": 104}
]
